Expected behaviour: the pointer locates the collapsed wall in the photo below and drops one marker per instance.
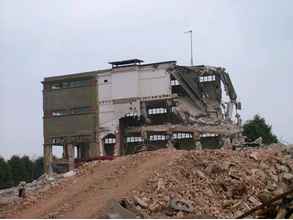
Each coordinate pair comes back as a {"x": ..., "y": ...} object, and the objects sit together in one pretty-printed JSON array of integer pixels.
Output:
[{"x": 202, "y": 110}]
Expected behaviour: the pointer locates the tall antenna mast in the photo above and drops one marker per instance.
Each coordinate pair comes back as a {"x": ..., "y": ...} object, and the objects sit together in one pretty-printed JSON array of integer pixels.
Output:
[{"x": 191, "y": 52}]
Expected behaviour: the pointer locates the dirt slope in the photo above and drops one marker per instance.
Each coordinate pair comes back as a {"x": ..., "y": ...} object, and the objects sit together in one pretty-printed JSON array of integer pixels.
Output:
[
  {"x": 216, "y": 183},
  {"x": 85, "y": 195}
]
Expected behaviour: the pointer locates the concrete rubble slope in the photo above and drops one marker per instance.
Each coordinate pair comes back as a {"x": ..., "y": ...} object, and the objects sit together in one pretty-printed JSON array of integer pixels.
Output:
[{"x": 166, "y": 183}]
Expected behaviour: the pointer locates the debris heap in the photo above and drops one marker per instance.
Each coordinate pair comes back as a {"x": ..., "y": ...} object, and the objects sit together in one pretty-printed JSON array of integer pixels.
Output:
[{"x": 216, "y": 183}]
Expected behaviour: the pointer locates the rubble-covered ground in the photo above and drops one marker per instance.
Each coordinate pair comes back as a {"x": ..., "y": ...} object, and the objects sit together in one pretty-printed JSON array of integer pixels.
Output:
[{"x": 202, "y": 183}]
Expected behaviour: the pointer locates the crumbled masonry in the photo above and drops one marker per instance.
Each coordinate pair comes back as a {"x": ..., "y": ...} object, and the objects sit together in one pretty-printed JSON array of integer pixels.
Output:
[{"x": 165, "y": 183}]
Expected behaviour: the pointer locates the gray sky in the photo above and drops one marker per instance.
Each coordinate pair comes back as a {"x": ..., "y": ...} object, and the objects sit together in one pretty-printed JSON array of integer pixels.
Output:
[{"x": 253, "y": 40}]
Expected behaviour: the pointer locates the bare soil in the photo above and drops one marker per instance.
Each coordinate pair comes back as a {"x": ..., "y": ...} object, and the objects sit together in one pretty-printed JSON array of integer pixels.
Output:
[{"x": 86, "y": 195}]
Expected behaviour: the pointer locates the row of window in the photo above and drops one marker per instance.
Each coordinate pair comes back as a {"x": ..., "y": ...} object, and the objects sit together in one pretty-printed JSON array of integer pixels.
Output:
[
  {"x": 133, "y": 139},
  {"x": 208, "y": 135},
  {"x": 182, "y": 135},
  {"x": 207, "y": 78},
  {"x": 154, "y": 111},
  {"x": 79, "y": 110},
  {"x": 131, "y": 114},
  {"x": 71, "y": 84},
  {"x": 158, "y": 137},
  {"x": 155, "y": 137},
  {"x": 110, "y": 140}
]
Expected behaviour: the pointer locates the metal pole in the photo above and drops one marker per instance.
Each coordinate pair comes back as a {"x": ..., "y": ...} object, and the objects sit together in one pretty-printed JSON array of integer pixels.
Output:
[
  {"x": 191, "y": 52},
  {"x": 191, "y": 61}
]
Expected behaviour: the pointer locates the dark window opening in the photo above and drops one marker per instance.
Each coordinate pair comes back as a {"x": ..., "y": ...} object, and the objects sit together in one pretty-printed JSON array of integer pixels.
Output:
[
  {"x": 64, "y": 112},
  {"x": 81, "y": 110},
  {"x": 210, "y": 141},
  {"x": 70, "y": 84}
]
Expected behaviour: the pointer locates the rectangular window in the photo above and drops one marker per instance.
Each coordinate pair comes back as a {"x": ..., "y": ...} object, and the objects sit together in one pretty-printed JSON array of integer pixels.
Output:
[
  {"x": 56, "y": 86},
  {"x": 182, "y": 135},
  {"x": 158, "y": 137},
  {"x": 70, "y": 84},
  {"x": 155, "y": 111},
  {"x": 81, "y": 110},
  {"x": 208, "y": 135},
  {"x": 208, "y": 78},
  {"x": 131, "y": 114},
  {"x": 57, "y": 113},
  {"x": 110, "y": 140},
  {"x": 133, "y": 139},
  {"x": 174, "y": 82}
]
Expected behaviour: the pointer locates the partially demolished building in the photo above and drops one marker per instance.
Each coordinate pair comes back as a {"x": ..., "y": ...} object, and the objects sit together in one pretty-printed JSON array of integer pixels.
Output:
[{"x": 133, "y": 106}]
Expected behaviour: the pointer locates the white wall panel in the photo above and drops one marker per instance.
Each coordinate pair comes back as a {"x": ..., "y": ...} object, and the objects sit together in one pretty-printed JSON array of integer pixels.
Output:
[{"x": 124, "y": 85}]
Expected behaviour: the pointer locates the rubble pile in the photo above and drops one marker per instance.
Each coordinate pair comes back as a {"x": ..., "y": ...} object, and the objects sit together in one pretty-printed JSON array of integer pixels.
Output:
[
  {"x": 215, "y": 183},
  {"x": 34, "y": 190},
  {"x": 173, "y": 184}
]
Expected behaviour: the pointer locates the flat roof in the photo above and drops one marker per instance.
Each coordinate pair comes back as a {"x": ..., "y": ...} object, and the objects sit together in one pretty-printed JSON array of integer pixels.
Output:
[{"x": 95, "y": 72}]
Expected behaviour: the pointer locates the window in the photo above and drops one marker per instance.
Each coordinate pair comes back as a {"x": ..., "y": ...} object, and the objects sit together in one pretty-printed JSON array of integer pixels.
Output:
[
  {"x": 182, "y": 135},
  {"x": 154, "y": 111},
  {"x": 70, "y": 84},
  {"x": 57, "y": 113},
  {"x": 158, "y": 137},
  {"x": 208, "y": 135},
  {"x": 208, "y": 78},
  {"x": 56, "y": 86},
  {"x": 133, "y": 139},
  {"x": 173, "y": 109},
  {"x": 174, "y": 82},
  {"x": 81, "y": 110},
  {"x": 110, "y": 140},
  {"x": 131, "y": 114}
]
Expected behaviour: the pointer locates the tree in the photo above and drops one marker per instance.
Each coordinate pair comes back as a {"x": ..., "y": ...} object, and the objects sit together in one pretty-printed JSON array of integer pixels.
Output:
[
  {"x": 17, "y": 169},
  {"x": 5, "y": 174},
  {"x": 28, "y": 168},
  {"x": 257, "y": 127},
  {"x": 38, "y": 168}
]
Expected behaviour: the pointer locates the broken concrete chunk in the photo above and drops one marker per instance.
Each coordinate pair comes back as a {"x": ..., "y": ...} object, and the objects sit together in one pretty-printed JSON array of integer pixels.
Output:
[
  {"x": 282, "y": 168},
  {"x": 254, "y": 155},
  {"x": 155, "y": 206},
  {"x": 116, "y": 210},
  {"x": 160, "y": 184},
  {"x": 69, "y": 174},
  {"x": 254, "y": 201},
  {"x": 181, "y": 205},
  {"x": 200, "y": 174},
  {"x": 140, "y": 202},
  {"x": 288, "y": 176},
  {"x": 228, "y": 203}
]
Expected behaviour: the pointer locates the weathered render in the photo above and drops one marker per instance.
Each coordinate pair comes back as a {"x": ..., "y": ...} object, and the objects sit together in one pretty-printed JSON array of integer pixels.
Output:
[{"x": 135, "y": 106}]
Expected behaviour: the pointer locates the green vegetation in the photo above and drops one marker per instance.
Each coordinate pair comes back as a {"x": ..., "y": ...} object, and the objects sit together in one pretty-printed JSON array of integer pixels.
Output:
[
  {"x": 257, "y": 127},
  {"x": 18, "y": 169}
]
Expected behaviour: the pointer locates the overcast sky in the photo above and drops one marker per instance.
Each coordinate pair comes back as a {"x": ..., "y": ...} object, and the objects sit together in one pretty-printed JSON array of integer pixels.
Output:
[{"x": 253, "y": 40}]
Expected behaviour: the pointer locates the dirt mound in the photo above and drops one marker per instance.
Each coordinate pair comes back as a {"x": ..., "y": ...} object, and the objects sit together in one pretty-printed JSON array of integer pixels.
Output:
[{"x": 164, "y": 183}]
